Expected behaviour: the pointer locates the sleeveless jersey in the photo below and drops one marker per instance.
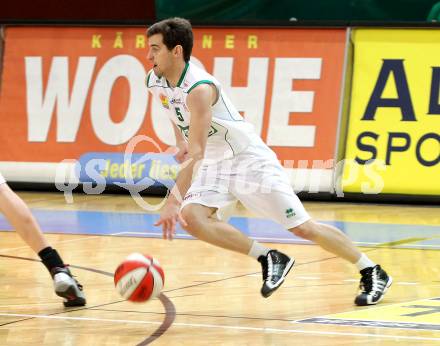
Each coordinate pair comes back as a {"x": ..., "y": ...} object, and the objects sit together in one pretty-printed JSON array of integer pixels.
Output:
[{"x": 229, "y": 133}]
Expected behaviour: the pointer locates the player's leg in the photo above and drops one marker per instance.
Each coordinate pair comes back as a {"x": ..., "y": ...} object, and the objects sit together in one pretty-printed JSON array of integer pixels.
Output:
[
  {"x": 206, "y": 208},
  {"x": 21, "y": 219},
  {"x": 329, "y": 238},
  {"x": 261, "y": 184},
  {"x": 275, "y": 265},
  {"x": 274, "y": 198},
  {"x": 24, "y": 223},
  {"x": 202, "y": 224},
  {"x": 374, "y": 281},
  {"x": 204, "y": 214}
]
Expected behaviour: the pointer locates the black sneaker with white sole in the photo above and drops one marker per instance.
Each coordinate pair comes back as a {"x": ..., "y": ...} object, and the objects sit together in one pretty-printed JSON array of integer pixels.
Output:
[
  {"x": 67, "y": 287},
  {"x": 374, "y": 284},
  {"x": 275, "y": 266}
]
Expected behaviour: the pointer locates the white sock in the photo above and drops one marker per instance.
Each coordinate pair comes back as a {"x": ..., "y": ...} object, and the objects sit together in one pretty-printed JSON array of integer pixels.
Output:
[
  {"x": 364, "y": 262},
  {"x": 257, "y": 250}
]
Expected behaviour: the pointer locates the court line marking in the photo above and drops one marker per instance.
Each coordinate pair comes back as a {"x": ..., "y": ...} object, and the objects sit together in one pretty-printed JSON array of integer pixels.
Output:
[
  {"x": 384, "y": 306},
  {"x": 30, "y": 306},
  {"x": 159, "y": 234},
  {"x": 288, "y": 331},
  {"x": 360, "y": 323},
  {"x": 85, "y": 237},
  {"x": 375, "y": 307},
  {"x": 406, "y": 241},
  {"x": 220, "y": 326},
  {"x": 170, "y": 309},
  {"x": 406, "y": 283},
  {"x": 287, "y": 240},
  {"x": 183, "y": 235}
]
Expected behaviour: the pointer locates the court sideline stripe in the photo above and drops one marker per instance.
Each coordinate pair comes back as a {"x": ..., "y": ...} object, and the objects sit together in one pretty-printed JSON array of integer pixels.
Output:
[{"x": 245, "y": 328}]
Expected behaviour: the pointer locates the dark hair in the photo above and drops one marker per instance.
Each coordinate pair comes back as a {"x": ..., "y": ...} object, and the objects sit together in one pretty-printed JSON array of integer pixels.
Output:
[{"x": 175, "y": 31}]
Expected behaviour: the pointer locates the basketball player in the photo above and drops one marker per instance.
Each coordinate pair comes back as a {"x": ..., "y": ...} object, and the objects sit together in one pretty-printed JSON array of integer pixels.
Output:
[
  {"x": 231, "y": 163},
  {"x": 21, "y": 219}
]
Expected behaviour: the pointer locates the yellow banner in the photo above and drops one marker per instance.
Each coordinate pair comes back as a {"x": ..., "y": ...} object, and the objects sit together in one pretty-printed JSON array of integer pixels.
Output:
[{"x": 393, "y": 142}]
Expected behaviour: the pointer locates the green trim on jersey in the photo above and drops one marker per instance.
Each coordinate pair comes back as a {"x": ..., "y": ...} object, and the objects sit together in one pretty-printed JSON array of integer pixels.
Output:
[
  {"x": 159, "y": 86},
  {"x": 204, "y": 81},
  {"x": 154, "y": 85},
  {"x": 226, "y": 133},
  {"x": 229, "y": 112},
  {"x": 183, "y": 74},
  {"x": 148, "y": 78}
]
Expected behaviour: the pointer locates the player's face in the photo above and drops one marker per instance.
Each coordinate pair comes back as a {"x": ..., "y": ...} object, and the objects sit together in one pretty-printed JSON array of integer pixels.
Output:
[{"x": 159, "y": 55}]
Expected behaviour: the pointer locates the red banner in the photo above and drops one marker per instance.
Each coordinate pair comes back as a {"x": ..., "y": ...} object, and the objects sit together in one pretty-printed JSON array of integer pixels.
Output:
[{"x": 69, "y": 91}]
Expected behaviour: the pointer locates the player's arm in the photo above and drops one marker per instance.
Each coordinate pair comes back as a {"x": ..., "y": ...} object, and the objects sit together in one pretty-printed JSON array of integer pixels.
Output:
[
  {"x": 178, "y": 135},
  {"x": 181, "y": 144},
  {"x": 199, "y": 103}
]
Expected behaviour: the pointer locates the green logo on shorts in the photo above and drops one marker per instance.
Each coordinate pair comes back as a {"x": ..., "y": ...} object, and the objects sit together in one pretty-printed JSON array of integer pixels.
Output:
[{"x": 290, "y": 212}]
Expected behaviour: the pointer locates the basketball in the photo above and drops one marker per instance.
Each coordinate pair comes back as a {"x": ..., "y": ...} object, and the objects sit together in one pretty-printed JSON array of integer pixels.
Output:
[{"x": 139, "y": 278}]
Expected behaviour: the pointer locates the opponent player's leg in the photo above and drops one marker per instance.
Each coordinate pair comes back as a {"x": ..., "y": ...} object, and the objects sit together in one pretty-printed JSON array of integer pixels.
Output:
[
  {"x": 374, "y": 281},
  {"x": 24, "y": 223}
]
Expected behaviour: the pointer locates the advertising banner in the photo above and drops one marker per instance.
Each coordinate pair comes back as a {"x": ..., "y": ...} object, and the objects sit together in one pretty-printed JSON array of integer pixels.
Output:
[
  {"x": 67, "y": 92},
  {"x": 393, "y": 143}
]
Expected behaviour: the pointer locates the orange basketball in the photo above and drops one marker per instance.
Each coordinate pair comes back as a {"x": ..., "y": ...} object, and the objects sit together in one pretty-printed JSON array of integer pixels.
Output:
[{"x": 139, "y": 278}]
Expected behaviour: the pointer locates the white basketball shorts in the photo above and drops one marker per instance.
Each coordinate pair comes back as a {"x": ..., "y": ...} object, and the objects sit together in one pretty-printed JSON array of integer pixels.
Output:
[
  {"x": 2, "y": 180},
  {"x": 255, "y": 178}
]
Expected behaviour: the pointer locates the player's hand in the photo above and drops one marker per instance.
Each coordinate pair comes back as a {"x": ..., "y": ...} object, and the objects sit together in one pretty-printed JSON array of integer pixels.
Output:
[
  {"x": 182, "y": 154},
  {"x": 169, "y": 217}
]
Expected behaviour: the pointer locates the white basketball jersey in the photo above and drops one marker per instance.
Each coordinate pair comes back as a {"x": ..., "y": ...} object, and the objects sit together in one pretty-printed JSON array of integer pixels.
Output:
[{"x": 229, "y": 133}]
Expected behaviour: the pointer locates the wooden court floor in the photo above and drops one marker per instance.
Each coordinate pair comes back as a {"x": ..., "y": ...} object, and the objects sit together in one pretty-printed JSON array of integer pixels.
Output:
[{"x": 211, "y": 296}]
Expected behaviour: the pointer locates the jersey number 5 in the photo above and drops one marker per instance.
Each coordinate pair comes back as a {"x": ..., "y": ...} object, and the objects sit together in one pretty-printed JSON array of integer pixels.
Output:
[{"x": 179, "y": 115}]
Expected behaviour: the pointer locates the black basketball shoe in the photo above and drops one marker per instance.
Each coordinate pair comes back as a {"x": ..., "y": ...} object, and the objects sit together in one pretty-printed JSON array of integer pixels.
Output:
[
  {"x": 374, "y": 283},
  {"x": 67, "y": 287},
  {"x": 275, "y": 266}
]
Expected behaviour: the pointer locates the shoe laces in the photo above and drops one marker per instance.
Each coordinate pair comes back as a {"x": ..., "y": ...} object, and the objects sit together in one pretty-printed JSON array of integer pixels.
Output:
[
  {"x": 269, "y": 263},
  {"x": 67, "y": 271},
  {"x": 77, "y": 283},
  {"x": 73, "y": 277},
  {"x": 264, "y": 266},
  {"x": 369, "y": 280}
]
